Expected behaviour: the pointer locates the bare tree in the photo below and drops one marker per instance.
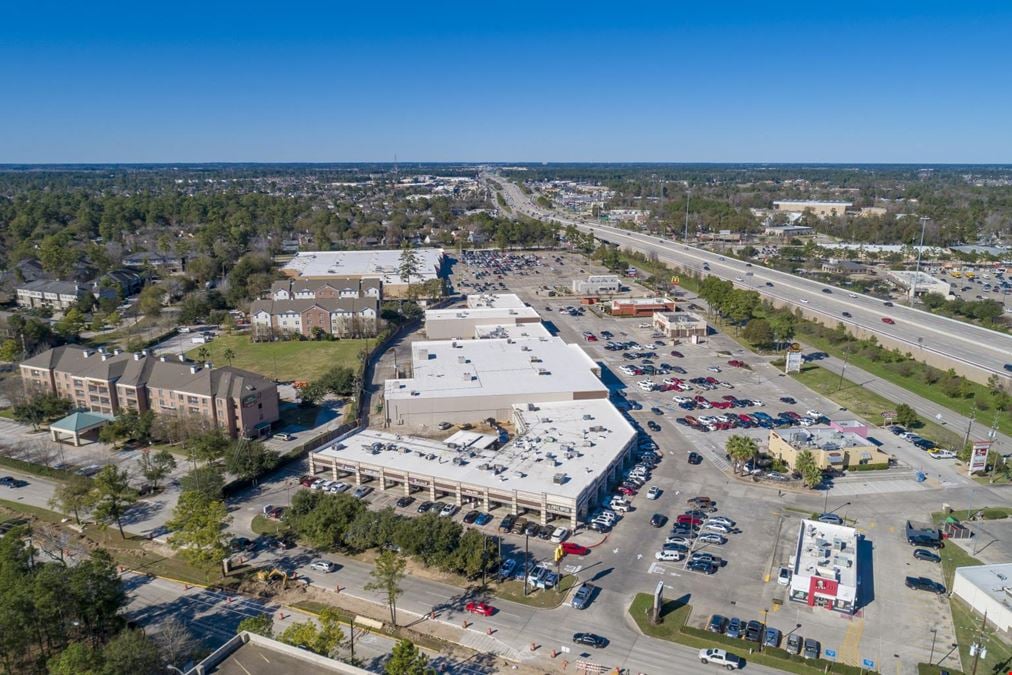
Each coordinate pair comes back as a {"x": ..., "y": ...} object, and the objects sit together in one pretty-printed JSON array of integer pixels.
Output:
[{"x": 175, "y": 642}]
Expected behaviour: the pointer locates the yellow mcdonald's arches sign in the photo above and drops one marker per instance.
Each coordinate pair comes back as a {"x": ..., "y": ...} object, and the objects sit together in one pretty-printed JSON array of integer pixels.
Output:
[{"x": 675, "y": 281}]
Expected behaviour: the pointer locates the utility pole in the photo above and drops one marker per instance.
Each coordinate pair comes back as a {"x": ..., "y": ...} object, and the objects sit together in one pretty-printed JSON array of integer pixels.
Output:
[
  {"x": 527, "y": 559},
  {"x": 977, "y": 647},
  {"x": 966, "y": 438},
  {"x": 917, "y": 271},
  {"x": 686, "y": 239}
]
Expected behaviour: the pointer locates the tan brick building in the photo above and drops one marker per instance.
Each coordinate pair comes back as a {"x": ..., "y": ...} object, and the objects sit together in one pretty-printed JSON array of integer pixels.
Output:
[{"x": 240, "y": 402}]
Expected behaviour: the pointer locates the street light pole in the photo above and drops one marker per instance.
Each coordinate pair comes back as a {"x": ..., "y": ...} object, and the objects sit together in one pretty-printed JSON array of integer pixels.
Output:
[
  {"x": 527, "y": 559},
  {"x": 763, "y": 637},
  {"x": 931, "y": 657}
]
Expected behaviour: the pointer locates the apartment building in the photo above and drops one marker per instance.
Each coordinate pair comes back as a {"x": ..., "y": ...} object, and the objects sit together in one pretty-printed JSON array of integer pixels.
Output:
[
  {"x": 340, "y": 317},
  {"x": 57, "y": 295},
  {"x": 239, "y": 402},
  {"x": 320, "y": 289}
]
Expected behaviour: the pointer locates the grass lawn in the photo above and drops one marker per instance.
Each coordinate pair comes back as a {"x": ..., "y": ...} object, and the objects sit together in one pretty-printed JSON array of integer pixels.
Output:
[
  {"x": 514, "y": 592},
  {"x": 264, "y": 525},
  {"x": 925, "y": 669},
  {"x": 7, "y": 414},
  {"x": 672, "y": 627},
  {"x": 419, "y": 638},
  {"x": 867, "y": 404},
  {"x": 284, "y": 361},
  {"x": 963, "y": 406},
  {"x": 29, "y": 510}
]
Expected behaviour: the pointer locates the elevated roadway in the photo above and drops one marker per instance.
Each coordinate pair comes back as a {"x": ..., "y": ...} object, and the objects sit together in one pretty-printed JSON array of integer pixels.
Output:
[{"x": 975, "y": 352}]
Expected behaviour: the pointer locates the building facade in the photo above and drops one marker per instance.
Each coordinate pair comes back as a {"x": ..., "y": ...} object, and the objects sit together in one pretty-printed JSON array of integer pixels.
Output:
[
  {"x": 597, "y": 284},
  {"x": 819, "y": 208},
  {"x": 239, "y": 402},
  {"x": 641, "y": 307},
  {"x": 680, "y": 324},
  {"x": 340, "y": 317},
  {"x": 56, "y": 295}
]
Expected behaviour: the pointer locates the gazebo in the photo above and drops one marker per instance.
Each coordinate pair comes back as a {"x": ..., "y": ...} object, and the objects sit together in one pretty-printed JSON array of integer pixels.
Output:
[{"x": 75, "y": 425}]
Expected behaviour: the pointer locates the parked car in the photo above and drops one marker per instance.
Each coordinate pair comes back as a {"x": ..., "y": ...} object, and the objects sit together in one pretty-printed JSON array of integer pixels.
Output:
[
  {"x": 784, "y": 577},
  {"x": 734, "y": 627},
  {"x": 753, "y": 631},
  {"x": 812, "y": 649},
  {"x": 669, "y": 556},
  {"x": 924, "y": 584},
  {"x": 831, "y": 518},
  {"x": 654, "y": 492},
  {"x": 448, "y": 510},
  {"x": 771, "y": 638},
  {"x": 471, "y": 516},
  {"x": 404, "y": 501},
  {"x": 720, "y": 657},
  {"x": 924, "y": 554},
  {"x": 361, "y": 491},
  {"x": 716, "y": 624},
  {"x": 793, "y": 645}
]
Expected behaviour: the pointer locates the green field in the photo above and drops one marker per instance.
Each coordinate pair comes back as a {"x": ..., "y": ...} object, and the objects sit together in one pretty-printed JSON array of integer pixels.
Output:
[
  {"x": 284, "y": 361},
  {"x": 867, "y": 404}
]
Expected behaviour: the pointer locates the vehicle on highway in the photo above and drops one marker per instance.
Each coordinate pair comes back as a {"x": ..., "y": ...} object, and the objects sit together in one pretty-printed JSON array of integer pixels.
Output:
[
  {"x": 322, "y": 566},
  {"x": 583, "y": 596},
  {"x": 886, "y": 319},
  {"x": 942, "y": 454},
  {"x": 804, "y": 300},
  {"x": 12, "y": 482},
  {"x": 720, "y": 657},
  {"x": 924, "y": 554},
  {"x": 590, "y": 640},
  {"x": 479, "y": 608},
  {"x": 847, "y": 315},
  {"x": 924, "y": 584},
  {"x": 812, "y": 649}
]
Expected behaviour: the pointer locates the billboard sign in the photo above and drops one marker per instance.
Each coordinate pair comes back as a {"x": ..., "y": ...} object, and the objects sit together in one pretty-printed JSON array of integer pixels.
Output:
[
  {"x": 978, "y": 456},
  {"x": 792, "y": 362}
]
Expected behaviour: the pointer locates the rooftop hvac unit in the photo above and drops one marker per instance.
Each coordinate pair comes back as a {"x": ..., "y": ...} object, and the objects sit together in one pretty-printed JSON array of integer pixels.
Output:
[
  {"x": 588, "y": 417},
  {"x": 560, "y": 478},
  {"x": 544, "y": 371}
]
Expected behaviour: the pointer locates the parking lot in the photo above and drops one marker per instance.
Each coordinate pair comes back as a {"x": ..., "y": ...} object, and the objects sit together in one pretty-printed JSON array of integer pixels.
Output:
[{"x": 767, "y": 514}]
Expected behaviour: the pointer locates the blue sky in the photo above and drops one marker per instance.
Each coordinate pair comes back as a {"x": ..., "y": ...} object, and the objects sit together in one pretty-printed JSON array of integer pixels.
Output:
[{"x": 509, "y": 81}]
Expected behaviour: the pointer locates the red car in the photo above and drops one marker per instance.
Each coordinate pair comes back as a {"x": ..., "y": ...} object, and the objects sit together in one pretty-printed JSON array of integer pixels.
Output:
[
  {"x": 736, "y": 363},
  {"x": 686, "y": 519},
  {"x": 480, "y": 608},
  {"x": 570, "y": 548},
  {"x": 628, "y": 492},
  {"x": 712, "y": 380},
  {"x": 591, "y": 338},
  {"x": 886, "y": 319},
  {"x": 306, "y": 481}
]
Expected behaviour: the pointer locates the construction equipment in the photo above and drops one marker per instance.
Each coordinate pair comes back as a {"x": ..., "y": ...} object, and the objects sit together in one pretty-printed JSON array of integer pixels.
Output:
[{"x": 268, "y": 576}]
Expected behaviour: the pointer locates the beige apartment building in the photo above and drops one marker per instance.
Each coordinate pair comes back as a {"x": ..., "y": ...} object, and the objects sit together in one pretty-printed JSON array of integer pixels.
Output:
[{"x": 240, "y": 402}]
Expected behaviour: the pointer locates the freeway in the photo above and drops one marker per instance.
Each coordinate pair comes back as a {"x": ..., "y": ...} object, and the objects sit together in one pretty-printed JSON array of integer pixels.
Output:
[{"x": 979, "y": 351}]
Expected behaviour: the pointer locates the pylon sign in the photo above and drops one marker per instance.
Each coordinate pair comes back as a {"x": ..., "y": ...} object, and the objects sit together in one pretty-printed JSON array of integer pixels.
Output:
[{"x": 559, "y": 553}]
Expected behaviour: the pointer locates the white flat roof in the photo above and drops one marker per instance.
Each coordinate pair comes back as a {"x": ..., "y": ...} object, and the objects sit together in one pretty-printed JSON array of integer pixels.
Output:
[
  {"x": 484, "y": 314},
  {"x": 992, "y": 580},
  {"x": 471, "y": 440},
  {"x": 819, "y": 553},
  {"x": 519, "y": 331},
  {"x": 577, "y": 439},
  {"x": 500, "y": 300},
  {"x": 447, "y": 368},
  {"x": 384, "y": 265},
  {"x": 824, "y": 438},
  {"x": 679, "y": 317},
  {"x": 641, "y": 301}
]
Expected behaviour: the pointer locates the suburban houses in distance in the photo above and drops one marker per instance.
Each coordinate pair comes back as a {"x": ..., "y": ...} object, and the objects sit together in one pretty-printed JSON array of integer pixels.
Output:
[{"x": 241, "y": 403}]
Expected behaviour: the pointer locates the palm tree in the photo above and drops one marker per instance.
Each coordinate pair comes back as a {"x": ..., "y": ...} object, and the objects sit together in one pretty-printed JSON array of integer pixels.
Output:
[
  {"x": 228, "y": 355},
  {"x": 203, "y": 354},
  {"x": 741, "y": 449}
]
